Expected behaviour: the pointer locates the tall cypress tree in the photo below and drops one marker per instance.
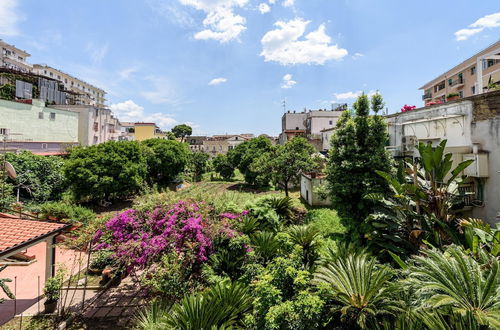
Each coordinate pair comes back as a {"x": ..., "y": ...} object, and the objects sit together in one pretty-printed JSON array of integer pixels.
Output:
[{"x": 357, "y": 150}]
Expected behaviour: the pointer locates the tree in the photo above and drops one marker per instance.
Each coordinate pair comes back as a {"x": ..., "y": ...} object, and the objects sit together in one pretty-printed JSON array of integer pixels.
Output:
[
  {"x": 223, "y": 166},
  {"x": 198, "y": 164},
  {"x": 165, "y": 159},
  {"x": 286, "y": 162},
  {"x": 40, "y": 178},
  {"x": 357, "y": 151},
  {"x": 181, "y": 131},
  {"x": 114, "y": 169},
  {"x": 248, "y": 152}
]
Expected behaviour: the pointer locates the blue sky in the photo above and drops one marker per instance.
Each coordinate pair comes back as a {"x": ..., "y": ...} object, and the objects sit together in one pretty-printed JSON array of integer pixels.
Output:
[{"x": 224, "y": 66}]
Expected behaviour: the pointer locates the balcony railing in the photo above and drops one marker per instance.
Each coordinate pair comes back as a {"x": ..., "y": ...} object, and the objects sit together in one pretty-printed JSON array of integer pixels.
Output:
[
  {"x": 457, "y": 82},
  {"x": 427, "y": 95}
]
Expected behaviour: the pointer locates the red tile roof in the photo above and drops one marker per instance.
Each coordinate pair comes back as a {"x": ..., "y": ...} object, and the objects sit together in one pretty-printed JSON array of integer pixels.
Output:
[{"x": 14, "y": 231}]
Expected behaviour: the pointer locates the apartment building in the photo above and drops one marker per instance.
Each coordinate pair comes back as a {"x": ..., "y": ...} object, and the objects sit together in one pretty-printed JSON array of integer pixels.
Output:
[
  {"x": 33, "y": 126},
  {"x": 13, "y": 58},
  {"x": 309, "y": 124},
  {"x": 471, "y": 127},
  {"x": 471, "y": 77},
  {"x": 196, "y": 142},
  {"x": 79, "y": 91},
  {"x": 146, "y": 131},
  {"x": 95, "y": 125}
]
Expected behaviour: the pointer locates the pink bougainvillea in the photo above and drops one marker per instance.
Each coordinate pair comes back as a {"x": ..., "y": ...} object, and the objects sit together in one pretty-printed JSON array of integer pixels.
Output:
[{"x": 406, "y": 108}]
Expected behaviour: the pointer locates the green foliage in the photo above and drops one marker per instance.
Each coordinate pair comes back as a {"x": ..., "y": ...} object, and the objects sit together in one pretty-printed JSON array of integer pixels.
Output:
[
  {"x": 198, "y": 164},
  {"x": 40, "y": 178},
  {"x": 246, "y": 154},
  {"x": 6, "y": 192},
  {"x": 7, "y": 92},
  {"x": 106, "y": 171},
  {"x": 166, "y": 159},
  {"x": 265, "y": 245},
  {"x": 283, "y": 206},
  {"x": 221, "y": 307},
  {"x": 286, "y": 162},
  {"x": 181, "y": 131},
  {"x": 66, "y": 212},
  {"x": 357, "y": 151},
  {"x": 480, "y": 236},
  {"x": 223, "y": 166},
  {"x": 361, "y": 288},
  {"x": 100, "y": 259},
  {"x": 4, "y": 286},
  {"x": 308, "y": 237},
  {"x": 52, "y": 288},
  {"x": 456, "y": 284}
]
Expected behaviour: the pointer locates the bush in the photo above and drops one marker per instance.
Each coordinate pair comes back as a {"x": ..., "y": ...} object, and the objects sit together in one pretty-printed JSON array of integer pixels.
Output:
[
  {"x": 223, "y": 166},
  {"x": 106, "y": 171},
  {"x": 165, "y": 159},
  {"x": 100, "y": 259},
  {"x": 66, "y": 212}
]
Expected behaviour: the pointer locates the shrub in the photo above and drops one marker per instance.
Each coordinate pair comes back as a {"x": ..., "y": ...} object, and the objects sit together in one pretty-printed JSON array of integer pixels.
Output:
[
  {"x": 165, "y": 160},
  {"x": 100, "y": 259},
  {"x": 223, "y": 166},
  {"x": 66, "y": 212}
]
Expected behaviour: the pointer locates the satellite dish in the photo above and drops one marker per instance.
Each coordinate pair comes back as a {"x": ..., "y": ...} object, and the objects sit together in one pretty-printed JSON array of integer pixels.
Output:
[{"x": 10, "y": 170}]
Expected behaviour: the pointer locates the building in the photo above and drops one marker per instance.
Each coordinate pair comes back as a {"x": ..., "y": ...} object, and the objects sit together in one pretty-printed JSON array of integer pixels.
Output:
[
  {"x": 35, "y": 127},
  {"x": 127, "y": 130},
  {"x": 309, "y": 183},
  {"x": 14, "y": 58},
  {"x": 326, "y": 138},
  {"x": 308, "y": 124},
  {"x": 79, "y": 91},
  {"x": 471, "y": 127},
  {"x": 95, "y": 125},
  {"x": 145, "y": 131},
  {"x": 471, "y": 77},
  {"x": 221, "y": 144},
  {"x": 196, "y": 142}
]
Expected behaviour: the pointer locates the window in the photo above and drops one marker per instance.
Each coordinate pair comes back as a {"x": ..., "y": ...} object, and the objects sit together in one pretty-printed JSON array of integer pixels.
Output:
[
  {"x": 45, "y": 71},
  {"x": 473, "y": 90},
  {"x": 4, "y": 131},
  {"x": 473, "y": 71},
  {"x": 58, "y": 77},
  {"x": 96, "y": 112},
  {"x": 461, "y": 78},
  {"x": 44, "y": 145},
  {"x": 450, "y": 81},
  {"x": 331, "y": 122},
  {"x": 52, "y": 116},
  {"x": 40, "y": 115},
  {"x": 461, "y": 94}
]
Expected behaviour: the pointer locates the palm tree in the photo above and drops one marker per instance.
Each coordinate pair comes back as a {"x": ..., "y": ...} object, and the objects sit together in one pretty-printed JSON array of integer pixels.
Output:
[
  {"x": 308, "y": 238},
  {"x": 455, "y": 281},
  {"x": 361, "y": 287},
  {"x": 221, "y": 307}
]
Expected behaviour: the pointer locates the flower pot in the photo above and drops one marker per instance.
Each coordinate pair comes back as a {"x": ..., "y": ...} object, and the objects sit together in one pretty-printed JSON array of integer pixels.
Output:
[
  {"x": 453, "y": 98},
  {"x": 94, "y": 271},
  {"x": 50, "y": 307}
]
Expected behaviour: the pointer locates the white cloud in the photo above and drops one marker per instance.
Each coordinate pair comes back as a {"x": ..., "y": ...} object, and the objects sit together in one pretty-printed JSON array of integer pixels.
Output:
[
  {"x": 171, "y": 11},
  {"x": 162, "y": 91},
  {"x": 287, "y": 81},
  {"x": 357, "y": 55},
  {"x": 272, "y": 2},
  {"x": 288, "y": 3},
  {"x": 127, "y": 72},
  {"x": 282, "y": 44},
  {"x": 351, "y": 95},
  {"x": 9, "y": 18},
  {"x": 217, "y": 81},
  {"x": 264, "y": 8},
  {"x": 221, "y": 23},
  {"x": 129, "y": 111},
  {"x": 97, "y": 52},
  {"x": 488, "y": 21}
]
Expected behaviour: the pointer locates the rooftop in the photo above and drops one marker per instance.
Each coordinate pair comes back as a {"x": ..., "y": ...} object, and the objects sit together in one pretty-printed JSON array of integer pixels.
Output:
[{"x": 16, "y": 232}]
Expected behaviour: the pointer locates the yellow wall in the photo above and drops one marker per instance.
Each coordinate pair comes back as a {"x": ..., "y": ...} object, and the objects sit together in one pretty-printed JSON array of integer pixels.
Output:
[{"x": 144, "y": 132}]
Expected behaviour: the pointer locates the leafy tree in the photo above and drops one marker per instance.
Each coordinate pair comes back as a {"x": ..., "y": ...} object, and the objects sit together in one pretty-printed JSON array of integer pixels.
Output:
[
  {"x": 181, "y": 131},
  {"x": 198, "y": 163},
  {"x": 4, "y": 286},
  {"x": 40, "y": 178},
  {"x": 223, "y": 166},
  {"x": 106, "y": 171},
  {"x": 166, "y": 159},
  {"x": 357, "y": 151},
  {"x": 248, "y": 153},
  {"x": 286, "y": 162}
]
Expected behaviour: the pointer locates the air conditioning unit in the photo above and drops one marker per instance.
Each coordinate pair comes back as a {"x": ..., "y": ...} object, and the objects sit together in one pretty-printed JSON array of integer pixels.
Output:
[
  {"x": 409, "y": 143},
  {"x": 479, "y": 168}
]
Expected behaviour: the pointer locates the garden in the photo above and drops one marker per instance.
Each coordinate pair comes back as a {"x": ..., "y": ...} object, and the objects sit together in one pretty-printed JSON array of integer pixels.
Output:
[{"x": 234, "y": 247}]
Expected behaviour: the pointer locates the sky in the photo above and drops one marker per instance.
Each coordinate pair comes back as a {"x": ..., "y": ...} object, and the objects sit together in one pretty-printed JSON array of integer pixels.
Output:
[{"x": 226, "y": 66}]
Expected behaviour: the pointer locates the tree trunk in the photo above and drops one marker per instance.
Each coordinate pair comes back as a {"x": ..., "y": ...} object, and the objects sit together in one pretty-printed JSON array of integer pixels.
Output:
[{"x": 286, "y": 188}]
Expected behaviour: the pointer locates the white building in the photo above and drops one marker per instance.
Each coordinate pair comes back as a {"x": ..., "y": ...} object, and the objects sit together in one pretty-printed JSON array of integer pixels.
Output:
[
  {"x": 14, "y": 58},
  {"x": 471, "y": 127},
  {"x": 309, "y": 183}
]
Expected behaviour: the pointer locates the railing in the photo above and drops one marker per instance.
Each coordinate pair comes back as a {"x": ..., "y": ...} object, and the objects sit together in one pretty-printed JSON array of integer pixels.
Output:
[
  {"x": 427, "y": 96},
  {"x": 457, "y": 82}
]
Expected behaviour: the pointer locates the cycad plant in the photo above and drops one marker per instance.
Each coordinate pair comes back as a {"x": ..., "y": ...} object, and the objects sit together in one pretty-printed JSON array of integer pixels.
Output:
[
  {"x": 455, "y": 282},
  {"x": 308, "y": 238},
  {"x": 361, "y": 288},
  {"x": 221, "y": 307},
  {"x": 265, "y": 245}
]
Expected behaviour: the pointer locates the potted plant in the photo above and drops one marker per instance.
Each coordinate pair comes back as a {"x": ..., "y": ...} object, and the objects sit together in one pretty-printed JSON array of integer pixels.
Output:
[
  {"x": 52, "y": 292},
  {"x": 452, "y": 97},
  {"x": 99, "y": 261}
]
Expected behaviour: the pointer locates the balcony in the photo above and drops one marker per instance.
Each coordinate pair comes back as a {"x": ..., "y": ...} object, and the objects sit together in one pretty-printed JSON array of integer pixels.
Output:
[
  {"x": 457, "y": 83},
  {"x": 427, "y": 96}
]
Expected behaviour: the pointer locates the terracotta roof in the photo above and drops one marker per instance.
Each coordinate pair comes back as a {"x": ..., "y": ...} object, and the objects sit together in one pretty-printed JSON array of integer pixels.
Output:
[{"x": 16, "y": 232}]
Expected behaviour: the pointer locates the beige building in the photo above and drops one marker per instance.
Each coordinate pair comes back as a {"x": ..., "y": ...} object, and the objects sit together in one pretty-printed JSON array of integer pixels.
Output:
[
  {"x": 79, "y": 91},
  {"x": 471, "y": 77},
  {"x": 14, "y": 58},
  {"x": 95, "y": 125},
  {"x": 221, "y": 144}
]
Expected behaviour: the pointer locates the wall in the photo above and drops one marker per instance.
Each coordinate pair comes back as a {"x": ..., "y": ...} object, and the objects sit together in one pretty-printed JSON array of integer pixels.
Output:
[
  {"x": 308, "y": 186},
  {"x": 144, "y": 132},
  {"x": 290, "y": 121},
  {"x": 25, "y": 125}
]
